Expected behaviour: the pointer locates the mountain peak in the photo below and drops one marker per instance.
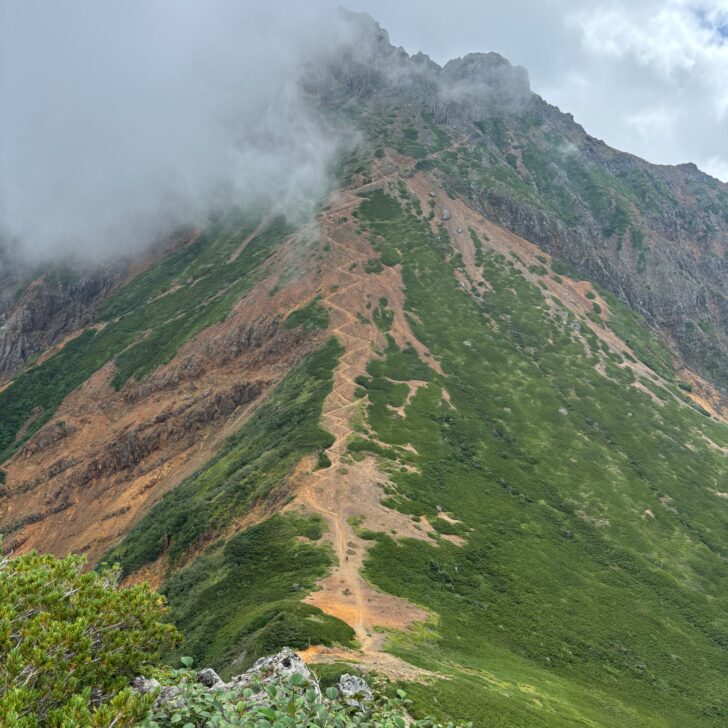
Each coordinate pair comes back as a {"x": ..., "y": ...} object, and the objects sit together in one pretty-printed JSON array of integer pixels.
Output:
[{"x": 483, "y": 79}]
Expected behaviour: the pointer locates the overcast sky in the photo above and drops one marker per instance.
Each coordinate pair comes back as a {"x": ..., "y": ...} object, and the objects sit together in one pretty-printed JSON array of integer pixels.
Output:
[
  {"x": 122, "y": 118},
  {"x": 646, "y": 76}
]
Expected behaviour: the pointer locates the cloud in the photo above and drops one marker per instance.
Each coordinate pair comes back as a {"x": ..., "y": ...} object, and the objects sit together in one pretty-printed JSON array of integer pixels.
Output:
[
  {"x": 678, "y": 41},
  {"x": 674, "y": 54},
  {"x": 647, "y": 76},
  {"x": 123, "y": 119}
]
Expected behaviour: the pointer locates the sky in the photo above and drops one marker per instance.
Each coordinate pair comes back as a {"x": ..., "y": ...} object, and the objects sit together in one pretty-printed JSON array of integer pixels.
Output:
[
  {"x": 121, "y": 119},
  {"x": 648, "y": 77}
]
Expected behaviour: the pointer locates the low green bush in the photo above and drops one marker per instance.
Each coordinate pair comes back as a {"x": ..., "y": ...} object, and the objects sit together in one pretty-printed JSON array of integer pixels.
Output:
[
  {"x": 295, "y": 703},
  {"x": 71, "y": 642}
]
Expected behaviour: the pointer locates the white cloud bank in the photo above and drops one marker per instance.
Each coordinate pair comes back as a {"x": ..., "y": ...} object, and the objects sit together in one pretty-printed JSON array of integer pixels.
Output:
[{"x": 120, "y": 119}]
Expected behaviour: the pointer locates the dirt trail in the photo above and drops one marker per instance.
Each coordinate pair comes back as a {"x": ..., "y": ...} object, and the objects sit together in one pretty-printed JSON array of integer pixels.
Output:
[{"x": 350, "y": 490}]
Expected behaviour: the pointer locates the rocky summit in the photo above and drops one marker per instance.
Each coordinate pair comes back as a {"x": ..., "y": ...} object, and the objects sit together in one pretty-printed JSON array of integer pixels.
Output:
[{"x": 465, "y": 427}]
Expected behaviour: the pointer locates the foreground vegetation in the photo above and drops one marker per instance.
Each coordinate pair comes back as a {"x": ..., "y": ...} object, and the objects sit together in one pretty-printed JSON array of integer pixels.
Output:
[
  {"x": 71, "y": 643},
  {"x": 293, "y": 703}
]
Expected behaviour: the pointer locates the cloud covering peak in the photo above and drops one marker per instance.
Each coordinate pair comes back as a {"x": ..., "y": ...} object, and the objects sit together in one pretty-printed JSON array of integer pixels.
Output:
[{"x": 123, "y": 119}]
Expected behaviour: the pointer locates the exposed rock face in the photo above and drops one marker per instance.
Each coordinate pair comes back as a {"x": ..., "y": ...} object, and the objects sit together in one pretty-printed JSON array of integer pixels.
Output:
[
  {"x": 273, "y": 670},
  {"x": 109, "y": 454},
  {"x": 473, "y": 85},
  {"x": 669, "y": 266},
  {"x": 366, "y": 65},
  {"x": 356, "y": 691},
  {"x": 41, "y": 313}
]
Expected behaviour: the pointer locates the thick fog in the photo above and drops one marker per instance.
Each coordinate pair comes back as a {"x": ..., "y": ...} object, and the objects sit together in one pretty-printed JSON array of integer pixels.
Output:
[{"x": 121, "y": 119}]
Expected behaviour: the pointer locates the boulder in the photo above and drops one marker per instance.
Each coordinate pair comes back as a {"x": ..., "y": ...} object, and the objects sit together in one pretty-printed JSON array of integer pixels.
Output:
[
  {"x": 210, "y": 679},
  {"x": 356, "y": 691},
  {"x": 274, "y": 669}
]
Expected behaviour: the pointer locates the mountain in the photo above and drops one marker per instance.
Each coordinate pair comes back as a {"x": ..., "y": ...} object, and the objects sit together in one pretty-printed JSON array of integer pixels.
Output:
[{"x": 467, "y": 428}]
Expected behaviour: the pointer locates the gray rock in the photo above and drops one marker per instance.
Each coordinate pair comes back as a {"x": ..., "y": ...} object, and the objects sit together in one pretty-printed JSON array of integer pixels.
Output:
[
  {"x": 144, "y": 684},
  {"x": 274, "y": 669},
  {"x": 209, "y": 678},
  {"x": 445, "y": 214},
  {"x": 356, "y": 691}
]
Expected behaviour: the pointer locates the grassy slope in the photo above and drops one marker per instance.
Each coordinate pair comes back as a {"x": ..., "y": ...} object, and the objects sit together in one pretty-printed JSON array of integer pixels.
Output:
[
  {"x": 533, "y": 161},
  {"x": 566, "y": 605},
  {"x": 147, "y": 320},
  {"x": 242, "y": 596},
  {"x": 240, "y": 600}
]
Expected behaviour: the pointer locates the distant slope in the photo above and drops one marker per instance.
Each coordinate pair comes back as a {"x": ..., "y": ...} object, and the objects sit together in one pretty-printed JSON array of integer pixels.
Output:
[{"x": 655, "y": 236}]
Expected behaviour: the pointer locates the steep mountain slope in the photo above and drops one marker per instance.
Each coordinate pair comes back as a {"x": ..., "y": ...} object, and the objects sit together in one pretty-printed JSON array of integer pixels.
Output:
[
  {"x": 405, "y": 435},
  {"x": 653, "y": 235}
]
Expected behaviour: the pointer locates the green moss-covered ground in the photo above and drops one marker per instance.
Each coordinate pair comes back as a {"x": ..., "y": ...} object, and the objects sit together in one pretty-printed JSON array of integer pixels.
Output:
[
  {"x": 592, "y": 585},
  {"x": 310, "y": 317},
  {"x": 241, "y": 599}
]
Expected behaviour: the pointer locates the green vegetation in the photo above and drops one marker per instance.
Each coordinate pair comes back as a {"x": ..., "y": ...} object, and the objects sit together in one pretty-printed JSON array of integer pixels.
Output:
[
  {"x": 251, "y": 468},
  {"x": 478, "y": 245},
  {"x": 383, "y": 316},
  {"x": 72, "y": 642},
  {"x": 146, "y": 321},
  {"x": 701, "y": 343},
  {"x": 563, "y": 269},
  {"x": 291, "y": 703},
  {"x": 591, "y": 582},
  {"x": 409, "y": 143},
  {"x": 311, "y": 317},
  {"x": 373, "y": 265},
  {"x": 241, "y": 599},
  {"x": 633, "y": 330},
  {"x": 65, "y": 635}
]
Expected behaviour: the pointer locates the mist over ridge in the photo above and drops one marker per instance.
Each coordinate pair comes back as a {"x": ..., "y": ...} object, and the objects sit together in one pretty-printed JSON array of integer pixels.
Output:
[{"x": 123, "y": 120}]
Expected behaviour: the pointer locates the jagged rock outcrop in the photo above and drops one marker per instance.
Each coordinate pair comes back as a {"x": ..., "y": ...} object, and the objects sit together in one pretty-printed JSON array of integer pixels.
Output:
[
  {"x": 37, "y": 312},
  {"x": 653, "y": 235},
  {"x": 272, "y": 670}
]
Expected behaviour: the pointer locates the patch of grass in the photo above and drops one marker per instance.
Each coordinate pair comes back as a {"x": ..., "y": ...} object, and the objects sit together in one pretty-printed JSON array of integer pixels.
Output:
[
  {"x": 373, "y": 265},
  {"x": 563, "y": 269},
  {"x": 564, "y": 606},
  {"x": 478, "y": 245},
  {"x": 383, "y": 316},
  {"x": 633, "y": 330},
  {"x": 311, "y": 317}
]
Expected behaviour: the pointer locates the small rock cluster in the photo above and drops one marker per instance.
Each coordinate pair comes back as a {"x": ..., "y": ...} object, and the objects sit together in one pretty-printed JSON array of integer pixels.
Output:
[{"x": 267, "y": 670}]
